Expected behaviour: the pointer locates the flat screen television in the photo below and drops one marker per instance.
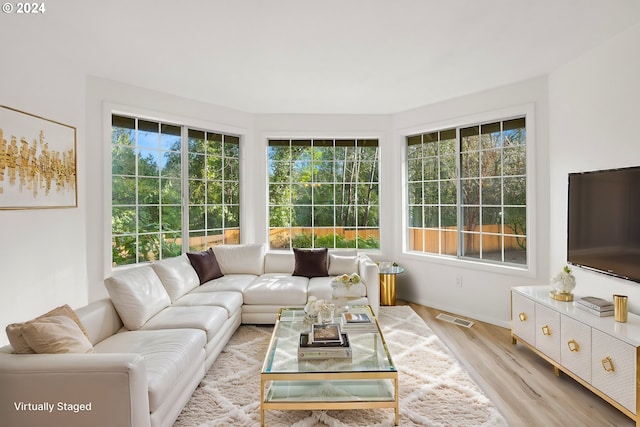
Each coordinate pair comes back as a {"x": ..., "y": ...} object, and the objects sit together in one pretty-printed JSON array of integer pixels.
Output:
[{"x": 604, "y": 222}]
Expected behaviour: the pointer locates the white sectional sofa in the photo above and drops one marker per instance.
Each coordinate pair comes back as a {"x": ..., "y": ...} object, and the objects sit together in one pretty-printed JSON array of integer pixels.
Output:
[{"x": 161, "y": 330}]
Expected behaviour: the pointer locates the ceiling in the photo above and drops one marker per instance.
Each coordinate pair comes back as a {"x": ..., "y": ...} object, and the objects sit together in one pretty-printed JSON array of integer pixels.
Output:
[{"x": 298, "y": 56}]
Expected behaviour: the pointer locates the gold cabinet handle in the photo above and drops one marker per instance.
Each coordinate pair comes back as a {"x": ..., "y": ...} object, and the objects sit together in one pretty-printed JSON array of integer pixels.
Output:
[
  {"x": 573, "y": 345},
  {"x": 607, "y": 364},
  {"x": 522, "y": 316},
  {"x": 546, "y": 330}
]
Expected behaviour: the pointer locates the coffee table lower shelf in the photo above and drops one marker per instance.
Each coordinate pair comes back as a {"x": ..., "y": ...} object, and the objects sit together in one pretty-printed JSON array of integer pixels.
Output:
[{"x": 325, "y": 391}]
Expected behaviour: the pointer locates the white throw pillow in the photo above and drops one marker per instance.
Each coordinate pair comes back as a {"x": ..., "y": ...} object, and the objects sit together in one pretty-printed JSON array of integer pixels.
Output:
[
  {"x": 339, "y": 265},
  {"x": 240, "y": 259},
  {"x": 137, "y": 294}
]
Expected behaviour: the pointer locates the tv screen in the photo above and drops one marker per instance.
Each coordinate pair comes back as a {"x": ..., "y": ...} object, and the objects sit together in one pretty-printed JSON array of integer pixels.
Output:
[{"x": 604, "y": 221}]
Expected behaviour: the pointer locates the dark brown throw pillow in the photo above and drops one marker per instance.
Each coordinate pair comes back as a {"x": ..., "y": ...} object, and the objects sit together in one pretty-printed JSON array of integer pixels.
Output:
[
  {"x": 205, "y": 264},
  {"x": 310, "y": 262}
]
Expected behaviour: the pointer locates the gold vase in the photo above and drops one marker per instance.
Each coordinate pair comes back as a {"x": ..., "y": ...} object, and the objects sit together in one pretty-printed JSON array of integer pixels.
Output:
[{"x": 559, "y": 295}]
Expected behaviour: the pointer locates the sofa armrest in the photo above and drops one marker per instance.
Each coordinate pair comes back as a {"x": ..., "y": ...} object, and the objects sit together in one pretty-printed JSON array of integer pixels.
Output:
[
  {"x": 74, "y": 390},
  {"x": 369, "y": 274}
]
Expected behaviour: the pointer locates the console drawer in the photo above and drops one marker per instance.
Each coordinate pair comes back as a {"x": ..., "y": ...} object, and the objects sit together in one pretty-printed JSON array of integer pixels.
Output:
[
  {"x": 548, "y": 331},
  {"x": 523, "y": 318},
  {"x": 613, "y": 368},
  {"x": 575, "y": 347}
]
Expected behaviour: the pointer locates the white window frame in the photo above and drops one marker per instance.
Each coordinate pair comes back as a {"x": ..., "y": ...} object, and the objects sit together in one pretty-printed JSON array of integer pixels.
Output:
[
  {"x": 110, "y": 109},
  {"x": 527, "y": 111},
  {"x": 339, "y": 135}
]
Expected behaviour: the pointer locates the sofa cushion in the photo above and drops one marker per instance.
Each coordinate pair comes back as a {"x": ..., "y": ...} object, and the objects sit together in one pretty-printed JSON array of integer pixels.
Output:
[
  {"x": 230, "y": 301},
  {"x": 279, "y": 262},
  {"x": 14, "y": 330},
  {"x": 320, "y": 287},
  {"x": 205, "y": 264},
  {"x": 177, "y": 274},
  {"x": 310, "y": 262},
  {"x": 168, "y": 354},
  {"x": 240, "y": 259},
  {"x": 137, "y": 294},
  {"x": 339, "y": 264},
  {"x": 277, "y": 288},
  {"x": 230, "y": 282},
  {"x": 56, "y": 334},
  {"x": 209, "y": 319},
  {"x": 100, "y": 319}
]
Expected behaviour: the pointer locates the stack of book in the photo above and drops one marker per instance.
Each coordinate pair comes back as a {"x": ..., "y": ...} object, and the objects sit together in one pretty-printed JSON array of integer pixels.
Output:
[
  {"x": 325, "y": 341},
  {"x": 596, "y": 306},
  {"x": 357, "y": 322}
]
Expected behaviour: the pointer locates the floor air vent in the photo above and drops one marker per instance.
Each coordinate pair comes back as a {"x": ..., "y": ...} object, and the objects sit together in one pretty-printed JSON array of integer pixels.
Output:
[{"x": 456, "y": 320}]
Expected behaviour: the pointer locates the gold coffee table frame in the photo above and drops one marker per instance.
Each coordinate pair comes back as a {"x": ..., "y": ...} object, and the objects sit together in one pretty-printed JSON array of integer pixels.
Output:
[{"x": 285, "y": 381}]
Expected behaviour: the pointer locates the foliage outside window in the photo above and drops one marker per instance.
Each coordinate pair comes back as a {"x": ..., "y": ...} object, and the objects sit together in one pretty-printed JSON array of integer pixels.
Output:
[
  {"x": 467, "y": 192},
  {"x": 151, "y": 217},
  {"x": 323, "y": 193}
]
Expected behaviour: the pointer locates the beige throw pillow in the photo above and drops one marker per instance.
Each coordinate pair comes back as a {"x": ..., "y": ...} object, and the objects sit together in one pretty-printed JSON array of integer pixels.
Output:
[
  {"x": 56, "y": 334},
  {"x": 14, "y": 330}
]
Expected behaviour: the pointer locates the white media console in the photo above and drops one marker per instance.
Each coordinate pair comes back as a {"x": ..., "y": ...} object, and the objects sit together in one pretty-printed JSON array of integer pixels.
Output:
[{"x": 598, "y": 352}]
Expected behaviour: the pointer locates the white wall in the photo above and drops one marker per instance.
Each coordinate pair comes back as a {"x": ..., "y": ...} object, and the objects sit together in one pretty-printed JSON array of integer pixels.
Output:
[
  {"x": 57, "y": 256},
  {"x": 105, "y": 95},
  {"x": 594, "y": 107},
  {"x": 485, "y": 291},
  {"x": 42, "y": 251}
]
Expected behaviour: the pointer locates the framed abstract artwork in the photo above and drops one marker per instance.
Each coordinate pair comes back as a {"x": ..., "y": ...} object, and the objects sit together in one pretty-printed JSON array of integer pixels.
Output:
[{"x": 37, "y": 162}]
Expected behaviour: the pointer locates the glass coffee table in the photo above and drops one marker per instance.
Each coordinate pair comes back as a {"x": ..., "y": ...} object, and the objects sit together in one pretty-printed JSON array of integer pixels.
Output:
[{"x": 368, "y": 379}]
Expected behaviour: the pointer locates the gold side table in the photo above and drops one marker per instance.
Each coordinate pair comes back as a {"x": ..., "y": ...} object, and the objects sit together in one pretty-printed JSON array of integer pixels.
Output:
[{"x": 388, "y": 284}]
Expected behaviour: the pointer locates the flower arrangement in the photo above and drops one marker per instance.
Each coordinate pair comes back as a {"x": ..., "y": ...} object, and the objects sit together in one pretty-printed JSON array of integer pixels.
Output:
[
  {"x": 348, "y": 280},
  {"x": 565, "y": 280},
  {"x": 314, "y": 305}
]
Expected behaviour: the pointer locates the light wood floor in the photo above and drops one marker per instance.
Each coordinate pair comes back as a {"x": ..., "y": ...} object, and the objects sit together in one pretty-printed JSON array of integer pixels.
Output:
[{"x": 521, "y": 384}]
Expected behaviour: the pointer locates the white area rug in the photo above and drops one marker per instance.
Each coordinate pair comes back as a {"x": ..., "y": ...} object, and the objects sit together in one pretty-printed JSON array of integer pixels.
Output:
[{"x": 435, "y": 390}]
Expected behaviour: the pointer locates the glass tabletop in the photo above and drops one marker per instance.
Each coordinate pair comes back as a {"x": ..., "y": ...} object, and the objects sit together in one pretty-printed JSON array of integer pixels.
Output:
[
  {"x": 369, "y": 350},
  {"x": 391, "y": 270}
]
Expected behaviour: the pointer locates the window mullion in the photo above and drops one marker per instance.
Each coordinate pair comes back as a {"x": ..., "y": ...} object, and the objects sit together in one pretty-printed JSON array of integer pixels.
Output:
[
  {"x": 184, "y": 186},
  {"x": 137, "y": 198},
  {"x": 459, "y": 195}
]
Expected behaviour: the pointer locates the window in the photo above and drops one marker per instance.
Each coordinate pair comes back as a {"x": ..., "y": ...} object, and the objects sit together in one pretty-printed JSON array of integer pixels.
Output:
[
  {"x": 467, "y": 192},
  {"x": 323, "y": 193},
  {"x": 151, "y": 219}
]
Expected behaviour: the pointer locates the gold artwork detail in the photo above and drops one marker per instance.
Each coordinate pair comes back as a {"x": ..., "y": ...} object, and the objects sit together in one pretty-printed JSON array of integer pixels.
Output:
[{"x": 35, "y": 166}]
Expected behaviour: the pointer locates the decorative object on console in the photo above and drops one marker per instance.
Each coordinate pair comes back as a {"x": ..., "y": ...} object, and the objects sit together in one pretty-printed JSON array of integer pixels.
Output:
[
  {"x": 620, "y": 303},
  {"x": 597, "y": 306},
  {"x": 566, "y": 282},
  {"x": 599, "y": 313},
  {"x": 596, "y": 303}
]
